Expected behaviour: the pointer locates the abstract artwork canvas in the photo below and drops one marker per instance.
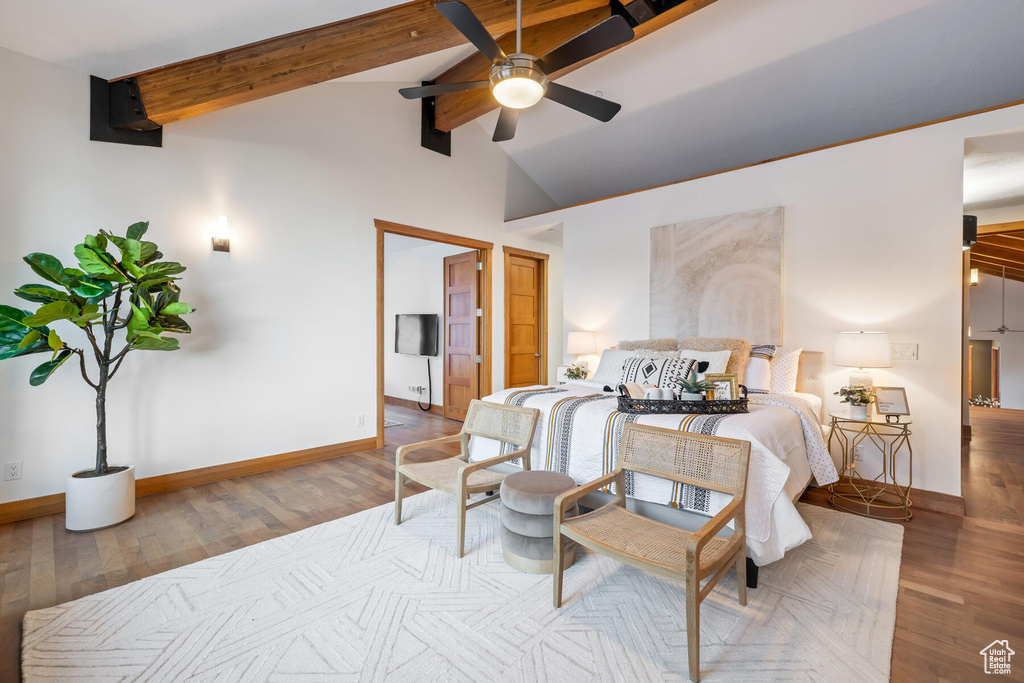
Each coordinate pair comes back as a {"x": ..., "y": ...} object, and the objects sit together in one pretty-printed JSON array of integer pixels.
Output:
[{"x": 719, "y": 277}]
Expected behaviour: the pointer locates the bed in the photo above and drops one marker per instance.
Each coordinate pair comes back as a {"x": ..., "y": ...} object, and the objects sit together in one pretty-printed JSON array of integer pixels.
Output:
[{"x": 580, "y": 427}]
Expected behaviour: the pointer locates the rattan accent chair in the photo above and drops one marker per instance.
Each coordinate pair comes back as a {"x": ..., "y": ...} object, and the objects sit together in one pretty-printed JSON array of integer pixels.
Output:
[
  {"x": 456, "y": 475},
  {"x": 707, "y": 461}
]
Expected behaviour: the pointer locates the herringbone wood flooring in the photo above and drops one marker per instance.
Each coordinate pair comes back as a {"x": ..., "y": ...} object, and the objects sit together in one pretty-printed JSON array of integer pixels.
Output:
[{"x": 961, "y": 579}]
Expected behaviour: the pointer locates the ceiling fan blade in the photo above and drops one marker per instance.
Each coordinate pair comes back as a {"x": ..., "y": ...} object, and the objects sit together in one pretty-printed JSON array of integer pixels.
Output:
[
  {"x": 441, "y": 89},
  {"x": 506, "y": 128},
  {"x": 606, "y": 35},
  {"x": 462, "y": 18},
  {"x": 585, "y": 103}
]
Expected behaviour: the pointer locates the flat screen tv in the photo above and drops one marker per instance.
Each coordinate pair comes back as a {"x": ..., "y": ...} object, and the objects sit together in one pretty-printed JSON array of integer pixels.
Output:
[{"x": 416, "y": 334}]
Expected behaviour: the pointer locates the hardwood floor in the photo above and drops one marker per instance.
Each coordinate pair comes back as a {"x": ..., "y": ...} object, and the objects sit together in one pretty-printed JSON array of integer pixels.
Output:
[{"x": 961, "y": 580}]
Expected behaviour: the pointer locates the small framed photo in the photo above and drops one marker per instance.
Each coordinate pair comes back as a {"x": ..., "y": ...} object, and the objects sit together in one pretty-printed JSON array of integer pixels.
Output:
[
  {"x": 560, "y": 376},
  {"x": 726, "y": 386},
  {"x": 891, "y": 401}
]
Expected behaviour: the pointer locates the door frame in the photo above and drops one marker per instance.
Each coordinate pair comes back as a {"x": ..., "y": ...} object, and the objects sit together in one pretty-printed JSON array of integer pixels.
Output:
[
  {"x": 485, "y": 249},
  {"x": 542, "y": 313}
]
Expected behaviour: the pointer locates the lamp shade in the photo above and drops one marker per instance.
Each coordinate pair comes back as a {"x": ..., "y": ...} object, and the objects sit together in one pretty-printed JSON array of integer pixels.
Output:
[
  {"x": 581, "y": 343},
  {"x": 863, "y": 350}
]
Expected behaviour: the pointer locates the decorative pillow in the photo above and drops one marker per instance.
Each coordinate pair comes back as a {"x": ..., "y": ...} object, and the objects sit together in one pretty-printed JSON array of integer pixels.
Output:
[
  {"x": 663, "y": 344},
  {"x": 784, "y": 368},
  {"x": 759, "y": 369},
  {"x": 609, "y": 369},
  {"x": 664, "y": 373},
  {"x": 708, "y": 361},
  {"x": 738, "y": 359}
]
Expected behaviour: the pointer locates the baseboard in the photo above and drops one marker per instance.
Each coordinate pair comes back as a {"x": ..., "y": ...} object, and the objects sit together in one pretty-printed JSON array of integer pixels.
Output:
[
  {"x": 929, "y": 500},
  {"x": 966, "y": 433},
  {"x": 53, "y": 504},
  {"x": 406, "y": 403}
]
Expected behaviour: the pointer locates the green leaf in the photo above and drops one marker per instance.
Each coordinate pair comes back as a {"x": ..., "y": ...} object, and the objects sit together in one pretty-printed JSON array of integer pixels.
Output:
[
  {"x": 94, "y": 261},
  {"x": 39, "y": 294},
  {"x": 137, "y": 230},
  {"x": 151, "y": 282},
  {"x": 11, "y": 322},
  {"x": 46, "y": 266},
  {"x": 43, "y": 372},
  {"x": 54, "y": 341},
  {"x": 155, "y": 343},
  {"x": 138, "y": 322},
  {"x": 165, "y": 268},
  {"x": 31, "y": 338},
  {"x": 149, "y": 250},
  {"x": 172, "y": 323},
  {"x": 47, "y": 313},
  {"x": 131, "y": 251},
  {"x": 93, "y": 290},
  {"x": 98, "y": 242},
  {"x": 176, "y": 308}
]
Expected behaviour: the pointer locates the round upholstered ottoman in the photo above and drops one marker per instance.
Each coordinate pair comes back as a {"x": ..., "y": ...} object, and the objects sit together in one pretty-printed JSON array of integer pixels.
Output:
[{"x": 527, "y": 520}]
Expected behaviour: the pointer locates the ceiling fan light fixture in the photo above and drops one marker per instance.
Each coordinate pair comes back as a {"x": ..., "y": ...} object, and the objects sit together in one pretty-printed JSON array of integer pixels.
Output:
[{"x": 518, "y": 85}]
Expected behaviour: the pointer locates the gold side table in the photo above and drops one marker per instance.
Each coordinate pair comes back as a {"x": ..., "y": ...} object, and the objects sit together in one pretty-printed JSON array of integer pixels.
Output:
[{"x": 882, "y": 497}]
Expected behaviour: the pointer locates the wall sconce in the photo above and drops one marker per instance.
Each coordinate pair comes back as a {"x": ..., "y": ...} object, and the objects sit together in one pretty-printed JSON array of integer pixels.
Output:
[
  {"x": 974, "y": 277},
  {"x": 221, "y": 242}
]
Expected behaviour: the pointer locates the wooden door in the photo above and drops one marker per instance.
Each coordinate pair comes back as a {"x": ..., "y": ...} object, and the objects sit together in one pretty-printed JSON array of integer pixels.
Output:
[
  {"x": 995, "y": 373},
  {"x": 461, "y": 333},
  {"x": 524, "y": 307}
]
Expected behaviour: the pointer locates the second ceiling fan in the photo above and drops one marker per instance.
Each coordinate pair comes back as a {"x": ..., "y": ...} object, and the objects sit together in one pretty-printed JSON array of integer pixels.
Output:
[{"x": 520, "y": 80}]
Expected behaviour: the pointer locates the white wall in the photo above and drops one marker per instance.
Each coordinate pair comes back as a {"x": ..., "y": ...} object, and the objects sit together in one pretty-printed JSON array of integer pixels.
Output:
[
  {"x": 872, "y": 241},
  {"x": 986, "y": 313},
  {"x": 283, "y": 352},
  {"x": 414, "y": 283}
]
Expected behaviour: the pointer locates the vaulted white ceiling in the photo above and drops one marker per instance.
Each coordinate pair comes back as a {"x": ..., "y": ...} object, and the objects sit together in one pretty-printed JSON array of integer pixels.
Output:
[{"x": 737, "y": 82}]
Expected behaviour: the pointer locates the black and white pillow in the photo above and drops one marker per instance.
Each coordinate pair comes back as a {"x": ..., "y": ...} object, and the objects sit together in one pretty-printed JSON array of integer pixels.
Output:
[
  {"x": 759, "y": 369},
  {"x": 664, "y": 373}
]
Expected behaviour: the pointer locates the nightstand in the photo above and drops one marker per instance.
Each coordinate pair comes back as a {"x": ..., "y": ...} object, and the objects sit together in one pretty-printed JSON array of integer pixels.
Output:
[{"x": 882, "y": 497}]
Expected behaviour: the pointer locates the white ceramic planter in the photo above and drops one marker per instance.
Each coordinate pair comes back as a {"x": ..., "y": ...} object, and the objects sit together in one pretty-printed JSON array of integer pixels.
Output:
[
  {"x": 859, "y": 412},
  {"x": 691, "y": 397},
  {"x": 98, "y": 502}
]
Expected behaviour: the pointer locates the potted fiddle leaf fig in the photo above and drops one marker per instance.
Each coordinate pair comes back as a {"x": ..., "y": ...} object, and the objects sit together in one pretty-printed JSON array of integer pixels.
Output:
[{"x": 132, "y": 295}]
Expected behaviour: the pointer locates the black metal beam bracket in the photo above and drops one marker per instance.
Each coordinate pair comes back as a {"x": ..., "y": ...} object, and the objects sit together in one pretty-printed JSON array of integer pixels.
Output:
[
  {"x": 430, "y": 137},
  {"x": 117, "y": 114}
]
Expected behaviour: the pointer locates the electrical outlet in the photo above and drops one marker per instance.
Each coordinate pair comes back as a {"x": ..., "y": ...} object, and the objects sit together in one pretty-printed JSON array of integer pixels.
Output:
[
  {"x": 12, "y": 470},
  {"x": 360, "y": 420},
  {"x": 904, "y": 351},
  {"x": 858, "y": 452}
]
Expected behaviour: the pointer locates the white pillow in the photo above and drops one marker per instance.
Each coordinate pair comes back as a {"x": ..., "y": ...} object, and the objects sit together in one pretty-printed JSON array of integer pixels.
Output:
[
  {"x": 759, "y": 369},
  {"x": 664, "y": 373},
  {"x": 784, "y": 368},
  {"x": 716, "y": 360},
  {"x": 609, "y": 368}
]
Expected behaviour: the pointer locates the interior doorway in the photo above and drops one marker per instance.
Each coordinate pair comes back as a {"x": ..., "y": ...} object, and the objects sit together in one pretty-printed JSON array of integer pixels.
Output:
[
  {"x": 526, "y": 302},
  {"x": 477, "y": 375}
]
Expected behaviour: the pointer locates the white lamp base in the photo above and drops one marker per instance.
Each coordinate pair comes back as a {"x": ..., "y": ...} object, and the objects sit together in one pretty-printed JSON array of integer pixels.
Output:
[{"x": 859, "y": 378}]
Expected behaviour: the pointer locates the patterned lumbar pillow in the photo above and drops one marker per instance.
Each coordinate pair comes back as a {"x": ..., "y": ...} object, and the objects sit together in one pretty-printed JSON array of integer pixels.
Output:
[
  {"x": 759, "y": 369},
  {"x": 785, "y": 367},
  {"x": 664, "y": 373}
]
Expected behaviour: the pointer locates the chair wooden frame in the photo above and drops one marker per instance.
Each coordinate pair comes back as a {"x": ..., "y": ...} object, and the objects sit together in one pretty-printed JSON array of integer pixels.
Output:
[
  {"x": 618, "y": 536},
  {"x": 507, "y": 424}
]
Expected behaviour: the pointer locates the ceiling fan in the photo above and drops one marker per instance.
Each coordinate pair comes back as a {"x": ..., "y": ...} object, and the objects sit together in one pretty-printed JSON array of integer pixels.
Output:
[
  {"x": 1003, "y": 329},
  {"x": 520, "y": 80}
]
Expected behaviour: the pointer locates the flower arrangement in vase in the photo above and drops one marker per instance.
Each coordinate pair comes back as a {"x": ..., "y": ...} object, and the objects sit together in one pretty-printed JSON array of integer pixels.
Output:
[{"x": 859, "y": 399}]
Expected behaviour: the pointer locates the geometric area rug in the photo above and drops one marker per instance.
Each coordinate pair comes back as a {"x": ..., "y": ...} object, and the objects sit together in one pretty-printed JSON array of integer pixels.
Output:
[{"x": 359, "y": 599}]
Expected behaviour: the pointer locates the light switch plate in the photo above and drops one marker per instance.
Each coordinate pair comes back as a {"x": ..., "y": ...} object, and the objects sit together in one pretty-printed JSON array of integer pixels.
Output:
[{"x": 904, "y": 351}]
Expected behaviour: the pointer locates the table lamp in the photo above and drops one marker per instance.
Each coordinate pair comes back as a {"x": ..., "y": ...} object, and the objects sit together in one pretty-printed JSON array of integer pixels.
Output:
[
  {"x": 581, "y": 344},
  {"x": 862, "y": 350}
]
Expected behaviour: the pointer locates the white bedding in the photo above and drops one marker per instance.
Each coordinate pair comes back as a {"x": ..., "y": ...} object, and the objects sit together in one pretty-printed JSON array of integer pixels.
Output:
[{"x": 583, "y": 437}]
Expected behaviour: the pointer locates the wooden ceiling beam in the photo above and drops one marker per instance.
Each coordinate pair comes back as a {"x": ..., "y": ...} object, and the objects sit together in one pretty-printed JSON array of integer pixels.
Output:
[
  {"x": 251, "y": 72},
  {"x": 1014, "y": 226},
  {"x": 1006, "y": 241},
  {"x": 455, "y": 109},
  {"x": 997, "y": 253}
]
